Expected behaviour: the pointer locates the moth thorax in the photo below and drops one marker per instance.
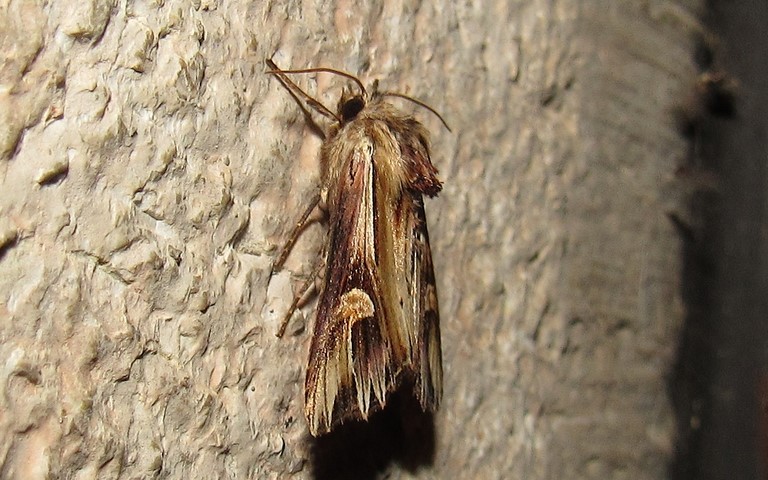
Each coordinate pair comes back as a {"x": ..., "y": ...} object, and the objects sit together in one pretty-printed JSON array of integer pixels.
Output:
[
  {"x": 355, "y": 305},
  {"x": 350, "y": 106}
]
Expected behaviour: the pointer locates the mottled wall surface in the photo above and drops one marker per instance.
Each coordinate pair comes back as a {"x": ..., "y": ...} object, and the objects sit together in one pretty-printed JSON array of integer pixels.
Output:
[{"x": 150, "y": 172}]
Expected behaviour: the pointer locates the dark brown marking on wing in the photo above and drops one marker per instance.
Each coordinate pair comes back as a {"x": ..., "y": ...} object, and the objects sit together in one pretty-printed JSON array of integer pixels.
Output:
[
  {"x": 428, "y": 355},
  {"x": 355, "y": 352}
]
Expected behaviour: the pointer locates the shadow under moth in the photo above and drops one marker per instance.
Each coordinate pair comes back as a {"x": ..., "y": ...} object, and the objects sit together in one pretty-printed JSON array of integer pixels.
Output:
[{"x": 377, "y": 323}]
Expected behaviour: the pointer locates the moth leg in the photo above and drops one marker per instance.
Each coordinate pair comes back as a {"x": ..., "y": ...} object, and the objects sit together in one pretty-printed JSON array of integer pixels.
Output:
[
  {"x": 299, "y": 298},
  {"x": 295, "y": 234}
]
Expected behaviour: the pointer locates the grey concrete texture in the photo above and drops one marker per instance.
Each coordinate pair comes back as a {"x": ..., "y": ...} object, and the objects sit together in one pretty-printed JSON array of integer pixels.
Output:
[{"x": 150, "y": 172}]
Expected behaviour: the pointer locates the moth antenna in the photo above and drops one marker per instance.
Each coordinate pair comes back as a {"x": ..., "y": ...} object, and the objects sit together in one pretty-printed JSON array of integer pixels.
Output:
[
  {"x": 321, "y": 70},
  {"x": 293, "y": 88},
  {"x": 419, "y": 103}
]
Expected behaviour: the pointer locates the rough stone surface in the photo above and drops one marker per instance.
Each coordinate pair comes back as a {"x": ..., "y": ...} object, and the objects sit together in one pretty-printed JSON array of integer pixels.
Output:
[{"x": 150, "y": 171}]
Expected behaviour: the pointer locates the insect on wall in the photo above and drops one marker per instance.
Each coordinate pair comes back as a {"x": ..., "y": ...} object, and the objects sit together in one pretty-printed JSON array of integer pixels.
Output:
[{"x": 377, "y": 323}]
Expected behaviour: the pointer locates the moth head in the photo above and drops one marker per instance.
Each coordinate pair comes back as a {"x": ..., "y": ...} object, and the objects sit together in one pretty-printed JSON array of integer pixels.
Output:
[{"x": 350, "y": 105}]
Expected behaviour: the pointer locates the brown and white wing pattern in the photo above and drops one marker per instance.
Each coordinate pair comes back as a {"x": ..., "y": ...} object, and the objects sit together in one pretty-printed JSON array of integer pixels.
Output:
[
  {"x": 417, "y": 291},
  {"x": 350, "y": 363},
  {"x": 377, "y": 318},
  {"x": 426, "y": 356}
]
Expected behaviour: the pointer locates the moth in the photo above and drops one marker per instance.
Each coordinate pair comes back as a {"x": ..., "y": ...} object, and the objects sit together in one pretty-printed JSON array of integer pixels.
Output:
[{"x": 377, "y": 323}]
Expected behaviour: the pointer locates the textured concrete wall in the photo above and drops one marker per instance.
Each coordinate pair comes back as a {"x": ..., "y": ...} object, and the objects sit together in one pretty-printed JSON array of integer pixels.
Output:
[{"x": 150, "y": 171}]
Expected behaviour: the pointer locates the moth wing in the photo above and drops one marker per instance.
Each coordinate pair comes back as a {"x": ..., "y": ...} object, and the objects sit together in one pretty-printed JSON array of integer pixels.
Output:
[
  {"x": 377, "y": 316},
  {"x": 426, "y": 353},
  {"x": 419, "y": 302},
  {"x": 350, "y": 361}
]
